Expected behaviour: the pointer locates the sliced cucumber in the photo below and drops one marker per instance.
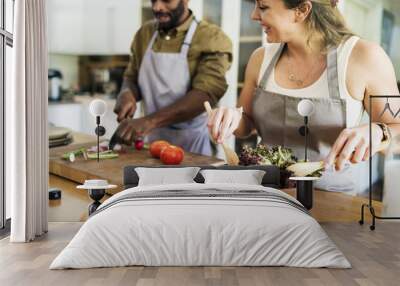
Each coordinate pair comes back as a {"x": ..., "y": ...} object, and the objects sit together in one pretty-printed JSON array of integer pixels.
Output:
[
  {"x": 109, "y": 154},
  {"x": 104, "y": 155}
]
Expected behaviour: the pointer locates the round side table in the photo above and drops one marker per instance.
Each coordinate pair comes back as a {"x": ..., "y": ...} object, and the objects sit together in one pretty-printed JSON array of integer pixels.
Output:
[
  {"x": 305, "y": 190},
  {"x": 96, "y": 190},
  {"x": 96, "y": 195}
]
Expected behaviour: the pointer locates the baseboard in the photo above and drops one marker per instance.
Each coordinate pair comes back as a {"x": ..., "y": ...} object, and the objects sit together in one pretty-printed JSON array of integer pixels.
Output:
[{"x": 5, "y": 231}]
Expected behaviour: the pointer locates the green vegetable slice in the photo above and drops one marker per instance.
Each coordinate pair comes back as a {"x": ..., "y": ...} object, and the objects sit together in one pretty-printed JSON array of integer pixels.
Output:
[{"x": 103, "y": 155}]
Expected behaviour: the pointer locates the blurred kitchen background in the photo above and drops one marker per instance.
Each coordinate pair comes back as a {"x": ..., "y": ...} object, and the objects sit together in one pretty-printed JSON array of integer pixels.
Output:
[{"x": 89, "y": 42}]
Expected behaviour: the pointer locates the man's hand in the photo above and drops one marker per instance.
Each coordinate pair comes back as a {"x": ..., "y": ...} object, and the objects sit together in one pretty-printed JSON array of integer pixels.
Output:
[
  {"x": 353, "y": 145},
  {"x": 129, "y": 129},
  {"x": 125, "y": 106}
]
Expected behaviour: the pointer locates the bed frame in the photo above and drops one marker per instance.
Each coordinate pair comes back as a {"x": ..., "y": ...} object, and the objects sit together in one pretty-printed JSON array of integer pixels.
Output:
[{"x": 270, "y": 179}]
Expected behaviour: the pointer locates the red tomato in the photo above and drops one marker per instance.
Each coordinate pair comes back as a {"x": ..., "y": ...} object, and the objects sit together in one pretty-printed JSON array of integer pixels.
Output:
[
  {"x": 172, "y": 155},
  {"x": 156, "y": 147}
]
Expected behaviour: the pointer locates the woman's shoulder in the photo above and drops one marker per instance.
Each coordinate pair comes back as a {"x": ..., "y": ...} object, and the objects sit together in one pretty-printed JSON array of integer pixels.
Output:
[
  {"x": 367, "y": 52},
  {"x": 266, "y": 51},
  {"x": 369, "y": 66},
  {"x": 369, "y": 59},
  {"x": 257, "y": 56},
  {"x": 262, "y": 54}
]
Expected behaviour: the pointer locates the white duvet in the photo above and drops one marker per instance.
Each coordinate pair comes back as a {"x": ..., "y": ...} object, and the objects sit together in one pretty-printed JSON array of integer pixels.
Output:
[{"x": 200, "y": 231}]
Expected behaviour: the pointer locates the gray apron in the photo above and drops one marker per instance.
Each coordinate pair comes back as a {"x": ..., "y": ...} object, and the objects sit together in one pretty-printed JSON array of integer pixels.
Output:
[
  {"x": 277, "y": 122},
  {"x": 163, "y": 79}
]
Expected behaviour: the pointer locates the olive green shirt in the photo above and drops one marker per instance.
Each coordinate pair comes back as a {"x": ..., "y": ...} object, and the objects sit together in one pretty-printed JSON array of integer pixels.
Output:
[{"x": 209, "y": 57}]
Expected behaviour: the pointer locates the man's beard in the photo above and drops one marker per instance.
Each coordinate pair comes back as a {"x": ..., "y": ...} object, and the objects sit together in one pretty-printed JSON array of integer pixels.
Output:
[{"x": 175, "y": 15}]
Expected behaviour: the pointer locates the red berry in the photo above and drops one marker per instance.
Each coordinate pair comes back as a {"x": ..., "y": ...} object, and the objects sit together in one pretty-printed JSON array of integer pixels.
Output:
[{"x": 139, "y": 144}]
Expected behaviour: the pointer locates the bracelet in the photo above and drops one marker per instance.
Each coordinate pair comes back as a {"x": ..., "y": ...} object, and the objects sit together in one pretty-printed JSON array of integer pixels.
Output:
[
  {"x": 386, "y": 135},
  {"x": 385, "y": 131}
]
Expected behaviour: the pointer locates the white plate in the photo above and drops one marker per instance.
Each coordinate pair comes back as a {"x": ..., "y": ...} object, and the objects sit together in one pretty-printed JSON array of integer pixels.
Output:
[
  {"x": 58, "y": 132},
  {"x": 304, "y": 178}
]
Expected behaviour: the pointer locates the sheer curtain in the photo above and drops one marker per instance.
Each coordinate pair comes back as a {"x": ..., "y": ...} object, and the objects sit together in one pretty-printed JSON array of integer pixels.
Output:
[{"x": 26, "y": 132}]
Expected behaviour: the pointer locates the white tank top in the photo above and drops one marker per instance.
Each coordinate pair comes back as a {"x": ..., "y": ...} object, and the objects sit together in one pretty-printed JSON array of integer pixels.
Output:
[{"x": 354, "y": 108}]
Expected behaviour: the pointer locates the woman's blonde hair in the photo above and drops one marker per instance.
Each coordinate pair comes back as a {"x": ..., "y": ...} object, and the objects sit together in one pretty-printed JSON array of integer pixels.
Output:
[{"x": 324, "y": 22}]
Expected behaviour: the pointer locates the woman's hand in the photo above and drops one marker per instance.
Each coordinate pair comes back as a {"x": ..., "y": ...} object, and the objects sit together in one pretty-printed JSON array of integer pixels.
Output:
[
  {"x": 353, "y": 145},
  {"x": 223, "y": 121}
]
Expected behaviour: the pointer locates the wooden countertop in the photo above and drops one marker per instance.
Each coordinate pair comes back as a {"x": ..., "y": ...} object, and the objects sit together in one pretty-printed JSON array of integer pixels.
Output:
[{"x": 111, "y": 169}]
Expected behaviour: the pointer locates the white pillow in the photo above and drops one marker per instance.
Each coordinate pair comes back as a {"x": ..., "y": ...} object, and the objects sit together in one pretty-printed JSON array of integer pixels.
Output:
[
  {"x": 248, "y": 177},
  {"x": 166, "y": 176}
]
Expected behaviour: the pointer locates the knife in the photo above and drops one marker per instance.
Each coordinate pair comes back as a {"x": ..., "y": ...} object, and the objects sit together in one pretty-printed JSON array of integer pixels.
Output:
[{"x": 115, "y": 139}]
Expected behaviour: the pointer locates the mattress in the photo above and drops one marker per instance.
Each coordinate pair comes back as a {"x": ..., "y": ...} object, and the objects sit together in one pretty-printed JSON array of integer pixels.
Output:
[{"x": 201, "y": 225}]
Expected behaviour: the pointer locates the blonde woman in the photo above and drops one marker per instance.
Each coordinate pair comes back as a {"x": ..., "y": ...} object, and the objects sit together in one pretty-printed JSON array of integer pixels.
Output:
[{"x": 312, "y": 55}]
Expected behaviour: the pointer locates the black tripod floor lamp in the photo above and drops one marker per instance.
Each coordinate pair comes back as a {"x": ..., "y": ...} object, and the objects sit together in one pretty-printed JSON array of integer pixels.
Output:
[{"x": 98, "y": 108}]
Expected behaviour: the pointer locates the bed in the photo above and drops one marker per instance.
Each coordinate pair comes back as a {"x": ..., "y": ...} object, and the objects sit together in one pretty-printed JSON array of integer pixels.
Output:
[{"x": 201, "y": 224}]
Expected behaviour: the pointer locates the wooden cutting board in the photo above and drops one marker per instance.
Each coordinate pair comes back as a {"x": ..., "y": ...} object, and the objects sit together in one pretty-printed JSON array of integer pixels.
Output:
[{"x": 111, "y": 169}]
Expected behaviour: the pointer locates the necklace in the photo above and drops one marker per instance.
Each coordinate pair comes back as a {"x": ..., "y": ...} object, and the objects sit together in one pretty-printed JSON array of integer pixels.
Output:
[{"x": 293, "y": 78}]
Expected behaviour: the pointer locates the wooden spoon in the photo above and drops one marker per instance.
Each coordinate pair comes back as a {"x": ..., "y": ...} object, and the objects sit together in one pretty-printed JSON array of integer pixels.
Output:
[{"x": 230, "y": 155}]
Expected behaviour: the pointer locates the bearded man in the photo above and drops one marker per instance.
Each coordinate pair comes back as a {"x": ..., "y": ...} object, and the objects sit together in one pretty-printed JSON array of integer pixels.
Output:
[{"x": 177, "y": 62}]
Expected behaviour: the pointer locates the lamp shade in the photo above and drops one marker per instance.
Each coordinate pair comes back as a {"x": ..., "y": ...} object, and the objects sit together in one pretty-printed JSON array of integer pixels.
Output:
[
  {"x": 98, "y": 107},
  {"x": 305, "y": 107}
]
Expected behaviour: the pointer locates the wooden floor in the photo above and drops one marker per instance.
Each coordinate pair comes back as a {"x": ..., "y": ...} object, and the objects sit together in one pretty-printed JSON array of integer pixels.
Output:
[{"x": 375, "y": 257}]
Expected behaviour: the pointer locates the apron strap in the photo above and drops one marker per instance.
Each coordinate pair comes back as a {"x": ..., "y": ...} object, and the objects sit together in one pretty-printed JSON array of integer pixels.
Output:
[
  {"x": 186, "y": 43},
  {"x": 189, "y": 37},
  {"x": 153, "y": 39},
  {"x": 332, "y": 69},
  {"x": 270, "y": 68}
]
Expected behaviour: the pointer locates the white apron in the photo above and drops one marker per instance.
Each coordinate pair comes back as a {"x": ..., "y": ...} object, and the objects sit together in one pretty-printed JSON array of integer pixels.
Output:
[{"x": 163, "y": 79}]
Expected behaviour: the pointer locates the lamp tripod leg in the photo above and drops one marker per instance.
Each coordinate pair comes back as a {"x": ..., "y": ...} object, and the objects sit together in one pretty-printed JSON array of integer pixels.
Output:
[
  {"x": 306, "y": 138},
  {"x": 361, "y": 221},
  {"x": 98, "y": 137},
  {"x": 98, "y": 146}
]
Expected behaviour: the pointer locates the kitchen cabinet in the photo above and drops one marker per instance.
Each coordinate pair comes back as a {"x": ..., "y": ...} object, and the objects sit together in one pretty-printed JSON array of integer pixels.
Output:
[
  {"x": 66, "y": 115},
  {"x": 76, "y": 116},
  {"x": 92, "y": 27},
  {"x": 99, "y": 27},
  {"x": 110, "y": 25},
  {"x": 65, "y": 26}
]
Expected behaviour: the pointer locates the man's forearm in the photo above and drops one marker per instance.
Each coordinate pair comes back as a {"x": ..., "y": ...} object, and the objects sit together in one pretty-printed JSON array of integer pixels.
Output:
[
  {"x": 128, "y": 84},
  {"x": 184, "y": 109}
]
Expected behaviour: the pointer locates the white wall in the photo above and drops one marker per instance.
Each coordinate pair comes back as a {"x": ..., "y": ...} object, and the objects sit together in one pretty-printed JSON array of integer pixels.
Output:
[
  {"x": 395, "y": 52},
  {"x": 364, "y": 17},
  {"x": 69, "y": 67},
  {"x": 394, "y": 7}
]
